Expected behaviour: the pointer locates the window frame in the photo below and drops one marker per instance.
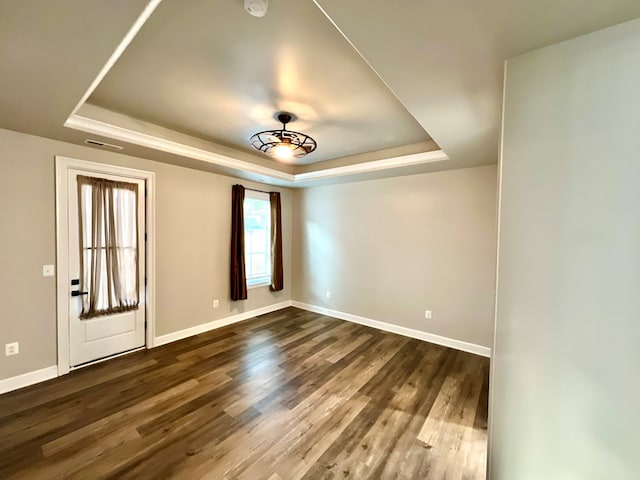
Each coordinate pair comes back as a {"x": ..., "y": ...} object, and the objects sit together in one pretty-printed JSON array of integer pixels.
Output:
[{"x": 264, "y": 280}]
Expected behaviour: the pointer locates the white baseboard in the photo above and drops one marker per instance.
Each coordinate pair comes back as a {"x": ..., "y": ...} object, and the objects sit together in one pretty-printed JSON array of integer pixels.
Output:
[
  {"x": 407, "y": 332},
  {"x": 29, "y": 378},
  {"x": 223, "y": 322}
]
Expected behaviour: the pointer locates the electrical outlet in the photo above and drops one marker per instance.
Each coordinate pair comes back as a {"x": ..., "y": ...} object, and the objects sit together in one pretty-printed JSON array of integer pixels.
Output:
[
  {"x": 328, "y": 293},
  {"x": 427, "y": 314},
  {"x": 48, "y": 270},
  {"x": 216, "y": 304},
  {"x": 11, "y": 349}
]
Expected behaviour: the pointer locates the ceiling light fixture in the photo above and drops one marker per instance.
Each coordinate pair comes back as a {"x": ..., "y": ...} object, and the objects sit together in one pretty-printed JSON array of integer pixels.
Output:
[{"x": 283, "y": 144}]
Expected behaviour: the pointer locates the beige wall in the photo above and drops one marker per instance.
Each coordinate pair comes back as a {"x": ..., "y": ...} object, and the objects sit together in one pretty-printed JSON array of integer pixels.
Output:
[
  {"x": 387, "y": 249},
  {"x": 390, "y": 249},
  {"x": 566, "y": 387},
  {"x": 193, "y": 237}
]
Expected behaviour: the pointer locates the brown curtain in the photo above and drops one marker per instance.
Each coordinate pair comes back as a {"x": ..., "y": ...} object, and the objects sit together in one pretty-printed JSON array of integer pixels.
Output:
[
  {"x": 277, "y": 276},
  {"x": 238, "y": 275},
  {"x": 108, "y": 228}
]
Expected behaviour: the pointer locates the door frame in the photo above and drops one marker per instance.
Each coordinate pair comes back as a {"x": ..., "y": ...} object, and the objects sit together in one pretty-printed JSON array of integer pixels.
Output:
[{"x": 62, "y": 165}]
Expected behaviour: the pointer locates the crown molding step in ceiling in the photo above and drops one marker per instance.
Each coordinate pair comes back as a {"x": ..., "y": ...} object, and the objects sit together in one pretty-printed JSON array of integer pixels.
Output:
[{"x": 190, "y": 83}]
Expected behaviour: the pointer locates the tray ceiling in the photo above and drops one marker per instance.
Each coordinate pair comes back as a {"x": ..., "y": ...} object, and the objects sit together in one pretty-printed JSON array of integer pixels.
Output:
[
  {"x": 186, "y": 83},
  {"x": 209, "y": 69}
]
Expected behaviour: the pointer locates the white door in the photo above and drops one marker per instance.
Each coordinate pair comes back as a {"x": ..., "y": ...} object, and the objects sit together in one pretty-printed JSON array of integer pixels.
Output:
[{"x": 105, "y": 335}]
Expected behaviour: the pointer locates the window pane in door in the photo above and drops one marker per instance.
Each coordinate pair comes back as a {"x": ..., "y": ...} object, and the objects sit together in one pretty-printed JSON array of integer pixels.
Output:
[{"x": 109, "y": 243}]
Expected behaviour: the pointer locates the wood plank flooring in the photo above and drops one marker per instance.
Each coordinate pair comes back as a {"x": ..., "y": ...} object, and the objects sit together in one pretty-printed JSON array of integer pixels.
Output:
[{"x": 288, "y": 395}]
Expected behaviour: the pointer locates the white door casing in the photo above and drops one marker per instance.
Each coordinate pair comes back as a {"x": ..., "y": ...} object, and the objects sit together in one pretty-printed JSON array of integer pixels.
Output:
[{"x": 82, "y": 341}]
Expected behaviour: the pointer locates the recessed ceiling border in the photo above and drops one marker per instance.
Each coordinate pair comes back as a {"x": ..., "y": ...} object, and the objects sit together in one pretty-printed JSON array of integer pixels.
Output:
[
  {"x": 117, "y": 53},
  {"x": 373, "y": 166}
]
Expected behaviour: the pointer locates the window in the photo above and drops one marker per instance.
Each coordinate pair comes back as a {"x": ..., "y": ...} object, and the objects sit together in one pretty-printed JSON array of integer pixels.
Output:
[
  {"x": 109, "y": 246},
  {"x": 257, "y": 238}
]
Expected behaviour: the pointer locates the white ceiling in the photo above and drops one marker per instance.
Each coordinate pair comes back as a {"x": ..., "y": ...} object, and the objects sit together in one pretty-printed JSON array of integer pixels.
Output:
[
  {"x": 209, "y": 69},
  {"x": 443, "y": 61}
]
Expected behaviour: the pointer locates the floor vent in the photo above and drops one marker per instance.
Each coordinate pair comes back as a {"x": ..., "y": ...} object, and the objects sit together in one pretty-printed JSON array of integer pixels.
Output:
[{"x": 98, "y": 143}]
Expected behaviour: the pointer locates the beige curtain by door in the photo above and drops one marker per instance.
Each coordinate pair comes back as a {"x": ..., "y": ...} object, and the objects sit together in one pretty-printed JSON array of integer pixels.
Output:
[{"x": 108, "y": 214}]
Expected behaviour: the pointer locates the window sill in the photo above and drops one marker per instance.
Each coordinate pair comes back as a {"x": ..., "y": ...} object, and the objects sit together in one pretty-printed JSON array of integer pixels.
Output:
[{"x": 251, "y": 286}]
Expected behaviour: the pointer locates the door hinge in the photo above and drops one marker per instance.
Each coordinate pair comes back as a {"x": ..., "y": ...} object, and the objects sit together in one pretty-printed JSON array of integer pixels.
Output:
[
  {"x": 145, "y": 281},
  {"x": 145, "y": 236}
]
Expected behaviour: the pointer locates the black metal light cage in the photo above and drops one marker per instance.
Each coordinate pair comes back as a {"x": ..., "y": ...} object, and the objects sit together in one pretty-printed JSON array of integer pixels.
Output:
[{"x": 267, "y": 141}]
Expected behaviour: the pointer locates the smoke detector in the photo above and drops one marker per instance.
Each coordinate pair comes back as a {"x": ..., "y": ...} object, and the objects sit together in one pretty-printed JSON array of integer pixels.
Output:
[{"x": 257, "y": 8}]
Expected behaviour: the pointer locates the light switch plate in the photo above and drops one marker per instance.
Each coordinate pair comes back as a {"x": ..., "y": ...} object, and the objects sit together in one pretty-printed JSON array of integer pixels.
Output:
[
  {"x": 11, "y": 349},
  {"x": 48, "y": 270}
]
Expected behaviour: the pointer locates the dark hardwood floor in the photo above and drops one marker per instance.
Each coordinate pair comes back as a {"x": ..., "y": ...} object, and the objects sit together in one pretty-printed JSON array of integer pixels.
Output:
[{"x": 287, "y": 395}]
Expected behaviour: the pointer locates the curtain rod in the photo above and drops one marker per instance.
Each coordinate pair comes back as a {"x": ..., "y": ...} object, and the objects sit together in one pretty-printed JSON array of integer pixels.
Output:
[{"x": 255, "y": 189}]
